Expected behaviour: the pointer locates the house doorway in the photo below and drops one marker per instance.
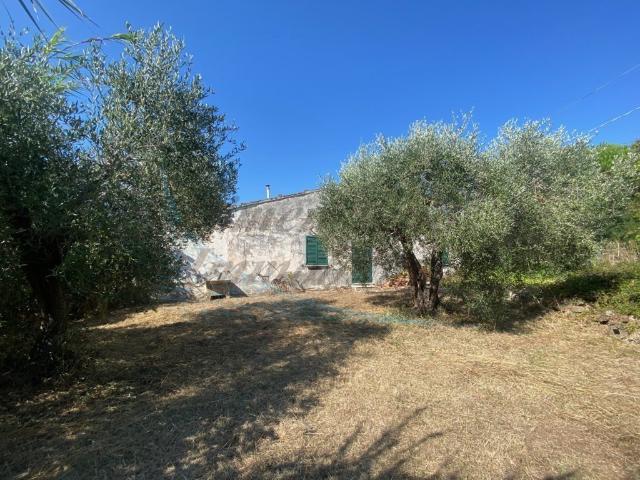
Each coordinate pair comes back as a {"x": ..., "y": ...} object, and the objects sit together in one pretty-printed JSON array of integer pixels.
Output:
[{"x": 361, "y": 265}]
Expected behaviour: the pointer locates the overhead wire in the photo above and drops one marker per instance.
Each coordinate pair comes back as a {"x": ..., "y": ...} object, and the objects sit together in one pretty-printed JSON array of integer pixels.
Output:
[
  {"x": 599, "y": 88},
  {"x": 614, "y": 119}
]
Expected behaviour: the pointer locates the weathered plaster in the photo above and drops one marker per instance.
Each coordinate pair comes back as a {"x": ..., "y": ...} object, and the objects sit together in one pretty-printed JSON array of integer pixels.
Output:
[{"x": 263, "y": 248}]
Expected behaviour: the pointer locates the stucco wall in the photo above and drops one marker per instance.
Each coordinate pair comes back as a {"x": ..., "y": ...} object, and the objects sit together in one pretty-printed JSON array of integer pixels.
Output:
[{"x": 265, "y": 242}]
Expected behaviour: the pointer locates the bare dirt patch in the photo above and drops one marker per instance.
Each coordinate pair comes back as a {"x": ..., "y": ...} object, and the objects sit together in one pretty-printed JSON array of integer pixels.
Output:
[{"x": 328, "y": 385}]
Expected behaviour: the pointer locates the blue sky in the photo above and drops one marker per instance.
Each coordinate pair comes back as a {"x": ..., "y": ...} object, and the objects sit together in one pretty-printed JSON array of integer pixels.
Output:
[{"x": 307, "y": 82}]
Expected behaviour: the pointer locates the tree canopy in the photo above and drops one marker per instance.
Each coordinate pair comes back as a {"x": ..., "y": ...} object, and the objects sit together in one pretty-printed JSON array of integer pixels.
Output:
[
  {"x": 106, "y": 166},
  {"x": 628, "y": 229},
  {"x": 531, "y": 199},
  {"x": 393, "y": 195}
]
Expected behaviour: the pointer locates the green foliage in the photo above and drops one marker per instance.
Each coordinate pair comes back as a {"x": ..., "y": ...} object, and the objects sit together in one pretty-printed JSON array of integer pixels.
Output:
[
  {"x": 380, "y": 194},
  {"x": 628, "y": 226},
  {"x": 542, "y": 203},
  {"x": 106, "y": 167},
  {"x": 614, "y": 286},
  {"x": 40, "y": 182},
  {"x": 533, "y": 199},
  {"x": 624, "y": 298},
  {"x": 160, "y": 167},
  {"x": 14, "y": 300},
  {"x": 607, "y": 153},
  {"x": 523, "y": 205},
  {"x": 395, "y": 195}
]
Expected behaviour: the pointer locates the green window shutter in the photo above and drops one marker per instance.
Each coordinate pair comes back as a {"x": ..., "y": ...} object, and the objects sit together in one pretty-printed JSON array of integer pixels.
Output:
[
  {"x": 312, "y": 250},
  {"x": 323, "y": 258},
  {"x": 316, "y": 253}
]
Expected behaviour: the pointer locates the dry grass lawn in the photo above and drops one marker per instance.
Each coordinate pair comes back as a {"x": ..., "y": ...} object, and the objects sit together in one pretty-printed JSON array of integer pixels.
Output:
[{"x": 323, "y": 385}]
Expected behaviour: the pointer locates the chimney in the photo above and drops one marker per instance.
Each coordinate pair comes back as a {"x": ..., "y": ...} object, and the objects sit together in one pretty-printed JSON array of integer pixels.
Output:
[{"x": 268, "y": 188}]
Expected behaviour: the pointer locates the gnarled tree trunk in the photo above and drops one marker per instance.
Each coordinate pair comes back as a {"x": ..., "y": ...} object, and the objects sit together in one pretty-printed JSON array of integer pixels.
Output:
[
  {"x": 434, "y": 281},
  {"x": 417, "y": 277},
  {"x": 39, "y": 259}
]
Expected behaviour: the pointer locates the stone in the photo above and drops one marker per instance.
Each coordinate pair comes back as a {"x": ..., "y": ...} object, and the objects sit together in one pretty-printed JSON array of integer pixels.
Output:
[
  {"x": 634, "y": 337},
  {"x": 579, "y": 308}
]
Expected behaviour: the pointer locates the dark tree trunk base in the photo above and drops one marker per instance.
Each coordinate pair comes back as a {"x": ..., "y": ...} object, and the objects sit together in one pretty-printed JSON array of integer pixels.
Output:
[
  {"x": 40, "y": 258},
  {"x": 436, "y": 277},
  {"x": 417, "y": 278}
]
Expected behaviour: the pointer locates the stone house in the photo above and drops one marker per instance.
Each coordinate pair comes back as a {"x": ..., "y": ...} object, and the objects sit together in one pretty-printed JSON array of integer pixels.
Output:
[{"x": 271, "y": 246}]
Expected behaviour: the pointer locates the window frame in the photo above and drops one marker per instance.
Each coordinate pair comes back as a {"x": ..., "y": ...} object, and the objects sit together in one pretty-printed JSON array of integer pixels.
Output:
[{"x": 319, "y": 246}]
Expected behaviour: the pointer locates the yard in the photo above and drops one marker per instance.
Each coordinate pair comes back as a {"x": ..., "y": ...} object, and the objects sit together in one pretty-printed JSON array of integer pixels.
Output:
[{"x": 331, "y": 385}]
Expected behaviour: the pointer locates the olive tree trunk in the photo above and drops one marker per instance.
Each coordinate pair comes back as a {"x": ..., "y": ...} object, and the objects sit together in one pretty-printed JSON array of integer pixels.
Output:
[
  {"x": 423, "y": 301},
  {"x": 417, "y": 277},
  {"x": 39, "y": 259},
  {"x": 434, "y": 281}
]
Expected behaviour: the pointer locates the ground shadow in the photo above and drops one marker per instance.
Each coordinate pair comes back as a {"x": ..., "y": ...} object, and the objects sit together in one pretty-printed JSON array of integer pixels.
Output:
[
  {"x": 453, "y": 312},
  {"x": 223, "y": 288},
  {"x": 339, "y": 464},
  {"x": 196, "y": 394},
  {"x": 374, "y": 462},
  {"x": 398, "y": 298},
  {"x": 526, "y": 305},
  {"x": 587, "y": 285},
  {"x": 181, "y": 399}
]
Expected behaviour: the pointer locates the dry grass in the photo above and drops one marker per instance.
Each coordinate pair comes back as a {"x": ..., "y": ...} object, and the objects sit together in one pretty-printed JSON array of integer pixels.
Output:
[{"x": 309, "y": 386}]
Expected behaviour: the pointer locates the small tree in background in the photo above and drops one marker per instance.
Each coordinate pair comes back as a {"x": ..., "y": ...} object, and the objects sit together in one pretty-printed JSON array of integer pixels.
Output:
[
  {"x": 628, "y": 228},
  {"x": 106, "y": 166},
  {"x": 608, "y": 152}
]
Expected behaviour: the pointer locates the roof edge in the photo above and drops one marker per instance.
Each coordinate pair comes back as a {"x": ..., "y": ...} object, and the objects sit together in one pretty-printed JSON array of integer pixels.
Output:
[{"x": 242, "y": 206}]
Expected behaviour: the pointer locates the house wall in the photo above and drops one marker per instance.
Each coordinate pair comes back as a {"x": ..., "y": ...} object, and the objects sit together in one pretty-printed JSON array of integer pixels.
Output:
[{"x": 265, "y": 242}]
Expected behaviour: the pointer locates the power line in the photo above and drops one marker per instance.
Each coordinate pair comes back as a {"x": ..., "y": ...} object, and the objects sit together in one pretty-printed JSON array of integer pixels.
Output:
[
  {"x": 614, "y": 119},
  {"x": 601, "y": 87}
]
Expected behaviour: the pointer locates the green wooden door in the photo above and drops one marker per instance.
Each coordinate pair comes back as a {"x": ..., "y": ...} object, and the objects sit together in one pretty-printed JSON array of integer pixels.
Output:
[{"x": 361, "y": 265}]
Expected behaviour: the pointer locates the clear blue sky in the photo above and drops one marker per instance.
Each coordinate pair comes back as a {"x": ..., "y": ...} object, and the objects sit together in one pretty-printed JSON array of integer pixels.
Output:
[{"x": 307, "y": 82}]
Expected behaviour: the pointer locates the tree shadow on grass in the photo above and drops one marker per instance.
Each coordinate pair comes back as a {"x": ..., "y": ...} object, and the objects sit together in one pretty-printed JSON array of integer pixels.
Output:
[
  {"x": 397, "y": 298},
  {"x": 583, "y": 287},
  {"x": 588, "y": 286},
  {"x": 339, "y": 464},
  {"x": 389, "y": 456},
  {"x": 185, "y": 399},
  {"x": 527, "y": 305},
  {"x": 194, "y": 395}
]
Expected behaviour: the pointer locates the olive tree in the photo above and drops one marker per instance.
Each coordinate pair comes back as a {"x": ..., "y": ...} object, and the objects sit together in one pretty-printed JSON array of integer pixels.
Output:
[
  {"x": 534, "y": 203},
  {"x": 532, "y": 199},
  {"x": 395, "y": 196},
  {"x": 541, "y": 201},
  {"x": 105, "y": 166}
]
